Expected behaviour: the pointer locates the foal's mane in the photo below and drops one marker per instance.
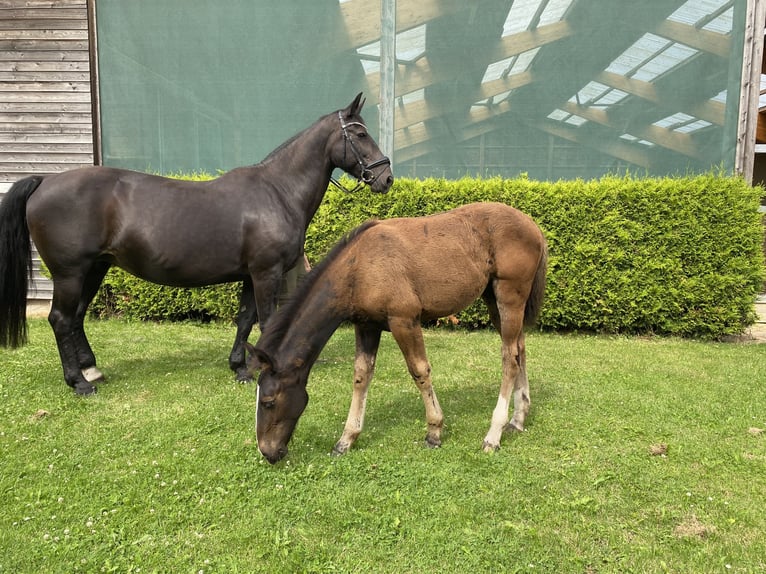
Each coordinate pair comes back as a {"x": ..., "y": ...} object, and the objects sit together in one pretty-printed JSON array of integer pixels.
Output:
[{"x": 278, "y": 324}]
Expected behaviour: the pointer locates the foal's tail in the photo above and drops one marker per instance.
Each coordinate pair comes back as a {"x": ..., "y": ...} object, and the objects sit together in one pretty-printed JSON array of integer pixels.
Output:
[
  {"x": 535, "y": 299},
  {"x": 15, "y": 262}
]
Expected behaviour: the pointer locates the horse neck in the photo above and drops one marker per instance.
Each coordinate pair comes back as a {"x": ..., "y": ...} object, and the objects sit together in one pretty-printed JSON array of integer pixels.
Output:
[
  {"x": 313, "y": 319},
  {"x": 303, "y": 167}
]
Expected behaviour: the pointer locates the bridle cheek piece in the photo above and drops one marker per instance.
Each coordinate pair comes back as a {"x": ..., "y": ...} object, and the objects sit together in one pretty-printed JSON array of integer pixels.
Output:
[{"x": 367, "y": 176}]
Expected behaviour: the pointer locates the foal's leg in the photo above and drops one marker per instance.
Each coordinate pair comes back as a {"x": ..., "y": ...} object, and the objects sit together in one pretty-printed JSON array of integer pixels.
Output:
[
  {"x": 245, "y": 320},
  {"x": 63, "y": 319},
  {"x": 521, "y": 401},
  {"x": 85, "y": 357},
  {"x": 510, "y": 312},
  {"x": 367, "y": 342},
  {"x": 409, "y": 337}
]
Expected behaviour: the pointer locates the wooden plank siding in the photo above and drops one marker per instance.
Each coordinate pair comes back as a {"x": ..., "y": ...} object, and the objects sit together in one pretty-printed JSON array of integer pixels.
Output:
[{"x": 46, "y": 121}]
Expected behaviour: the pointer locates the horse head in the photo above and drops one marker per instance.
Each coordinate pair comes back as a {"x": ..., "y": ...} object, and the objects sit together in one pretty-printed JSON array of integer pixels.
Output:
[
  {"x": 357, "y": 153},
  {"x": 281, "y": 400}
]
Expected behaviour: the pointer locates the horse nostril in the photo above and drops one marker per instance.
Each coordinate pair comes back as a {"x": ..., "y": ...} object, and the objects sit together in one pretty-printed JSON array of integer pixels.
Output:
[{"x": 390, "y": 180}]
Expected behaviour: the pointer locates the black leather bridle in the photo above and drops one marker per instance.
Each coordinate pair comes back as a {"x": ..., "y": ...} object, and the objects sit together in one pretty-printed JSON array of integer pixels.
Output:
[{"x": 367, "y": 176}]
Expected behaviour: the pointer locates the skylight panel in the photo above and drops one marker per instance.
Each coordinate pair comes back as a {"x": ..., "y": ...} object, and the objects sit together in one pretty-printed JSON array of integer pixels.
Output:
[
  {"x": 370, "y": 57},
  {"x": 693, "y": 126},
  {"x": 682, "y": 123},
  {"x": 590, "y": 92},
  {"x": 693, "y": 11},
  {"x": 496, "y": 70},
  {"x": 610, "y": 98},
  {"x": 639, "y": 53},
  {"x": 411, "y": 44},
  {"x": 554, "y": 11},
  {"x": 523, "y": 61},
  {"x": 575, "y": 120},
  {"x": 562, "y": 116},
  {"x": 558, "y": 115},
  {"x": 415, "y": 96},
  {"x": 509, "y": 66},
  {"x": 674, "y": 120},
  {"x": 597, "y": 95},
  {"x": 664, "y": 61},
  {"x": 650, "y": 57},
  {"x": 723, "y": 24},
  {"x": 520, "y": 16},
  {"x": 721, "y": 97},
  {"x": 632, "y": 138}
]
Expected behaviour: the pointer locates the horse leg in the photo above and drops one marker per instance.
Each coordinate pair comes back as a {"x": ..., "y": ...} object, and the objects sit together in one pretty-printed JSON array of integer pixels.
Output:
[
  {"x": 367, "y": 342},
  {"x": 85, "y": 357},
  {"x": 258, "y": 301},
  {"x": 409, "y": 336},
  {"x": 63, "y": 319},
  {"x": 266, "y": 287},
  {"x": 245, "y": 320},
  {"x": 510, "y": 313}
]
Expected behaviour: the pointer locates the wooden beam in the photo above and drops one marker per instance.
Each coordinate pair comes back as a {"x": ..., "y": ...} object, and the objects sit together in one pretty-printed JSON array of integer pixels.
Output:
[
  {"x": 747, "y": 125},
  {"x": 516, "y": 44},
  {"x": 624, "y": 151},
  {"x": 362, "y": 29},
  {"x": 760, "y": 133},
  {"x": 708, "y": 110},
  {"x": 674, "y": 141},
  {"x": 703, "y": 40},
  {"x": 468, "y": 128},
  {"x": 420, "y": 75}
]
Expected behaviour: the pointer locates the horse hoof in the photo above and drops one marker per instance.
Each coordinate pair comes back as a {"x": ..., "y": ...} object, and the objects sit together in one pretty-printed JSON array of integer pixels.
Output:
[
  {"x": 93, "y": 375},
  {"x": 84, "y": 389},
  {"x": 339, "y": 449},
  {"x": 489, "y": 448},
  {"x": 244, "y": 376},
  {"x": 513, "y": 427},
  {"x": 433, "y": 442}
]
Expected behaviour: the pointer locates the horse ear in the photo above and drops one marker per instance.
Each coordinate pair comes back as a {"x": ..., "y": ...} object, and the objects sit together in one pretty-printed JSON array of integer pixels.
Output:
[
  {"x": 356, "y": 106},
  {"x": 259, "y": 359}
]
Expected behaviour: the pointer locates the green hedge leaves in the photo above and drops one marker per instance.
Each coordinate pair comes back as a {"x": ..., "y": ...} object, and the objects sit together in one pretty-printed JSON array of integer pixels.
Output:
[{"x": 680, "y": 256}]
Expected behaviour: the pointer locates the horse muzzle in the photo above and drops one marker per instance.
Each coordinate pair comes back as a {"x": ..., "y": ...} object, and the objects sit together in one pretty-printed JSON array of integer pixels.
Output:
[
  {"x": 274, "y": 456},
  {"x": 381, "y": 181}
]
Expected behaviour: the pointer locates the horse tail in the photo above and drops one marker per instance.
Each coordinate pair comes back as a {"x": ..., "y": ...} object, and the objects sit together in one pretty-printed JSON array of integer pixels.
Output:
[
  {"x": 15, "y": 262},
  {"x": 535, "y": 299}
]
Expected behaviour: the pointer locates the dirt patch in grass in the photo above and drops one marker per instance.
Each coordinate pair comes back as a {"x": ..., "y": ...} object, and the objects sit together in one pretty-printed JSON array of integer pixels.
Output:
[{"x": 691, "y": 527}]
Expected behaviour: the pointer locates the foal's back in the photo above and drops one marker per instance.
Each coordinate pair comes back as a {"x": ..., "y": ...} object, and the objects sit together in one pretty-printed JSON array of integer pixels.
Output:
[{"x": 437, "y": 265}]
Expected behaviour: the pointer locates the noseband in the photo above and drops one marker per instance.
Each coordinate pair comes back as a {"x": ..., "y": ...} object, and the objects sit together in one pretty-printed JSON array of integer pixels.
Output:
[{"x": 367, "y": 177}]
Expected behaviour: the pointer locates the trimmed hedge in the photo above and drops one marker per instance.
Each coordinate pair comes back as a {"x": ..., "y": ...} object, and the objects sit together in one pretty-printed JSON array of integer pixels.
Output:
[{"x": 680, "y": 256}]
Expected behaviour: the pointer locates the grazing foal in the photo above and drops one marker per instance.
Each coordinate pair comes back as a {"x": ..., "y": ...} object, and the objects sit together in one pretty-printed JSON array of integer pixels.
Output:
[{"x": 391, "y": 275}]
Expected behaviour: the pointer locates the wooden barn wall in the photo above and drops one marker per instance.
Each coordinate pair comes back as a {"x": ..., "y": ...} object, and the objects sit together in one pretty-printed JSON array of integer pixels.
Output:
[{"x": 45, "y": 93}]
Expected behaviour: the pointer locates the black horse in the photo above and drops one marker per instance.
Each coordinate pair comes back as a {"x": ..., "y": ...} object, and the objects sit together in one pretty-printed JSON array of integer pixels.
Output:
[{"x": 248, "y": 225}]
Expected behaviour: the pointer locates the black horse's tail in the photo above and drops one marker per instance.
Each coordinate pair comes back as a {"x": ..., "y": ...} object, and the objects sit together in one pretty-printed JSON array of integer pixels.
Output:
[
  {"x": 535, "y": 299},
  {"x": 15, "y": 262}
]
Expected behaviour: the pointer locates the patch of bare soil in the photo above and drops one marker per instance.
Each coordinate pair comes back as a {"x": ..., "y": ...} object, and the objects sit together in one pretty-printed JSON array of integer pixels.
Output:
[{"x": 691, "y": 527}]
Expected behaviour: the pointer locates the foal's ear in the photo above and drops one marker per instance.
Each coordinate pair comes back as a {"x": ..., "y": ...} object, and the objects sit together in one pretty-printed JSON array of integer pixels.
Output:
[
  {"x": 258, "y": 358},
  {"x": 355, "y": 107}
]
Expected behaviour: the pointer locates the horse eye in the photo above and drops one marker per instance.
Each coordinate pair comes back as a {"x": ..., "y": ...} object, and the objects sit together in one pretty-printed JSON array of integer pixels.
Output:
[
  {"x": 268, "y": 403},
  {"x": 362, "y": 135}
]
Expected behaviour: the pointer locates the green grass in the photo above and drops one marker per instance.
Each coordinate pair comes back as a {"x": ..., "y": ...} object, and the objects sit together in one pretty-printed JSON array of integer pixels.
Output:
[{"x": 159, "y": 472}]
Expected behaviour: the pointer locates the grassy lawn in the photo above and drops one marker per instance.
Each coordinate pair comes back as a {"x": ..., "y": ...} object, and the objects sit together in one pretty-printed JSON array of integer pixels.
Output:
[{"x": 641, "y": 455}]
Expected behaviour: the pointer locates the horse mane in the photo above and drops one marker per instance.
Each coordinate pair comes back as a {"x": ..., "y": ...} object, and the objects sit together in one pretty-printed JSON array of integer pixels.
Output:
[
  {"x": 279, "y": 323},
  {"x": 276, "y": 151}
]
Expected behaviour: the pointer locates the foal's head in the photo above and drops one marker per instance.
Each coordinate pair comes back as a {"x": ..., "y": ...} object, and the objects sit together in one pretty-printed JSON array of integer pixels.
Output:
[
  {"x": 355, "y": 152},
  {"x": 282, "y": 398}
]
